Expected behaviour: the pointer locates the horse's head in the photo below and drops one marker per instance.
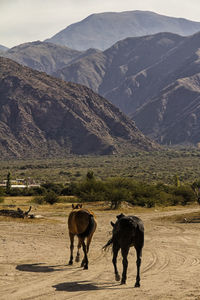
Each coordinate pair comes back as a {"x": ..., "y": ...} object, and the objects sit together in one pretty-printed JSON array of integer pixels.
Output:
[
  {"x": 118, "y": 218},
  {"x": 77, "y": 206}
]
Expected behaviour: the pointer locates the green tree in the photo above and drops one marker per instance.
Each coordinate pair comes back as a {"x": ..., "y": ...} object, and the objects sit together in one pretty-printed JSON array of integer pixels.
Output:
[
  {"x": 90, "y": 175},
  {"x": 196, "y": 189},
  {"x": 8, "y": 183},
  {"x": 51, "y": 197},
  {"x": 177, "y": 181}
]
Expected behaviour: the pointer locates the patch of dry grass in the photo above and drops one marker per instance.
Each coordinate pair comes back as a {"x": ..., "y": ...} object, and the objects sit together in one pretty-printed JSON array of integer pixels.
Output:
[{"x": 193, "y": 217}]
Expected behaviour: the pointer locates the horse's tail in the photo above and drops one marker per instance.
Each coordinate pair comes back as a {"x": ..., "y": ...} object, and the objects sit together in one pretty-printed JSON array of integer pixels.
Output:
[
  {"x": 89, "y": 229},
  {"x": 108, "y": 244}
]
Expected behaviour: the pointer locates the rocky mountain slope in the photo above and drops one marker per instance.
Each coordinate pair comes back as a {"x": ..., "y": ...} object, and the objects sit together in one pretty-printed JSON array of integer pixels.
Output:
[
  {"x": 41, "y": 116},
  {"x": 104, "y": 29},
  {"x": 173, "y": 117},
  {"x": 45, "y": 57},
  {"x": 138, "y": 71},
  {"x": 3, "y": 48},
  {"x": 119, "y": 73}
]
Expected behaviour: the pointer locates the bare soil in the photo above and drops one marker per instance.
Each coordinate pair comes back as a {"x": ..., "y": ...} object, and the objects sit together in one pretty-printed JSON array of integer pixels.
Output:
[{"x": 34, "y": 256}]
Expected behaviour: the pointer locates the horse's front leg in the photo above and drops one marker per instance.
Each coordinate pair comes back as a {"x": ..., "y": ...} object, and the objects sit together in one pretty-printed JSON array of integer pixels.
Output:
[
  {"x": 124, "y": 251},
  {"x": 114, "y": 260},
  {"x": 71, "y": 236},
  {"x": 138, "y": 263},
  {"x": 78, "y": 251}
]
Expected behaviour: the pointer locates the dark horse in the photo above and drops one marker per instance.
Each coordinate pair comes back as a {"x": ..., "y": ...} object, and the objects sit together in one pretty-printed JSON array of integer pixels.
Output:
[
  {"x": 81, "y": 222},
  {"x": 127, "y": 231}
]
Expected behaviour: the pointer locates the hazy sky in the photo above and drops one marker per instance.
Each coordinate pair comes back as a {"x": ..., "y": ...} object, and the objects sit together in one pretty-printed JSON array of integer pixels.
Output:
[{"x": 30, "y": 20}]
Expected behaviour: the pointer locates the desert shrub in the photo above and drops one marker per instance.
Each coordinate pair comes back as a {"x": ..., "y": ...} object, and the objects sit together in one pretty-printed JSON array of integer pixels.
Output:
[
  {"x": 116, "y": 196},
  {"x": 116, "y": 190},
  {"x": 38, "y": 190},
  {"x": 89, "y": 186},
  {"x": 51, "y": 197},
  {"x": 68, "y": 199},
  {"x": 120, "y": 182},
  {"x": 16, "y": 192},
  {"x": 174, "y": 200},
  {"x": 91, "y": 190},
  {"x": 55, "y": 187},
  {"x": 38, "y": 200},
  {"x": 185, "y": 194},
  {"x": 145, "y": 195},
  {"x": 196, "y": 189},
  {"x": 77, "y": 174},
  {"x": 90, "y": 175},
  {"x": 70, "y": 189},
  {"x": 2, "y": 191},
  {"x": 92, "y": 196}
]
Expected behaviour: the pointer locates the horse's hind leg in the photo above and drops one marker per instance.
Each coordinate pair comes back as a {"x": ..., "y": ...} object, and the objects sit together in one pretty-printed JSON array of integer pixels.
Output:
[
  {"x": 89, "y": 237},
  {"x": 114, "y": 260},
  {"x": 71, "y": 236},
  {"x": 78, "y": 253},
  {"x": 84, "y": 263},
  {"x": 138, "y": 263},
  {"x": 124, "y": 251}
]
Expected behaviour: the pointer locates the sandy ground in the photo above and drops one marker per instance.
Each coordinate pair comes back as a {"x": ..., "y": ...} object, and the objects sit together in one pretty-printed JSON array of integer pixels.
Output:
[{"x": 34, "y": 256}]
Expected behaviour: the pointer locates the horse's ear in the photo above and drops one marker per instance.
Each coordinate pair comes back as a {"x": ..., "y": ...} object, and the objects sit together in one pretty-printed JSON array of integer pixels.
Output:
[
  {"x": 120, "y": 216},
  {"x": 73, "y": 206},
  {"x": 113, "y": 224}
]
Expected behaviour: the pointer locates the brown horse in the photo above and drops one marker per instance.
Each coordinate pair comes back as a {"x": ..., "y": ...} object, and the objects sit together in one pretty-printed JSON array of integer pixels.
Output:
[{"x": 81, "y": 222}]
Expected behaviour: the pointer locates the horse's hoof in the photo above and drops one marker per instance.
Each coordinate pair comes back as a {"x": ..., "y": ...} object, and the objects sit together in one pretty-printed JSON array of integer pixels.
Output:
[
  {"x": 77, "y": 259},
  {"x": 85, "y": 268},
  {"x": 70, "y": 263},
  {"x": 123, "y": 282},
  {"x": 117, "y": 277},
  {"x": 137, "y": 284}
]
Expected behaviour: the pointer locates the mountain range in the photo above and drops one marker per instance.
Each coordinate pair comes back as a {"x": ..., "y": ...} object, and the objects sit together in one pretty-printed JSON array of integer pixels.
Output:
[
  {"x": 45, "y": 57},
  {"x": 120, "y": 72},
  {"x": 136, "y": 71},
  {"x": 41, "y": 116},
  {"x": 102, "y": 30},
  {"x": 154, "y": 79}
]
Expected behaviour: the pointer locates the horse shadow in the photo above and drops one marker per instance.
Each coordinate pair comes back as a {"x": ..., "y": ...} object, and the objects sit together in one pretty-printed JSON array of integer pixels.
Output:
[
  {"x": 39, "y": 268},
  {"x": 76, "y": 286}
]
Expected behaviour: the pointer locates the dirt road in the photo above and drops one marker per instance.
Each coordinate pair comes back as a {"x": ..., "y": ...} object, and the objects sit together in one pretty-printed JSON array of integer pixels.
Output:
[{"x": 34, "y": 256}]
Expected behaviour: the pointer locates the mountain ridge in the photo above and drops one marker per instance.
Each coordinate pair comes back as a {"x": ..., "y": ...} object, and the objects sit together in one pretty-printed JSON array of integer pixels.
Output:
[
  {"x": 102, "y": 30},
  {"x": 44, "y": 56}
]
